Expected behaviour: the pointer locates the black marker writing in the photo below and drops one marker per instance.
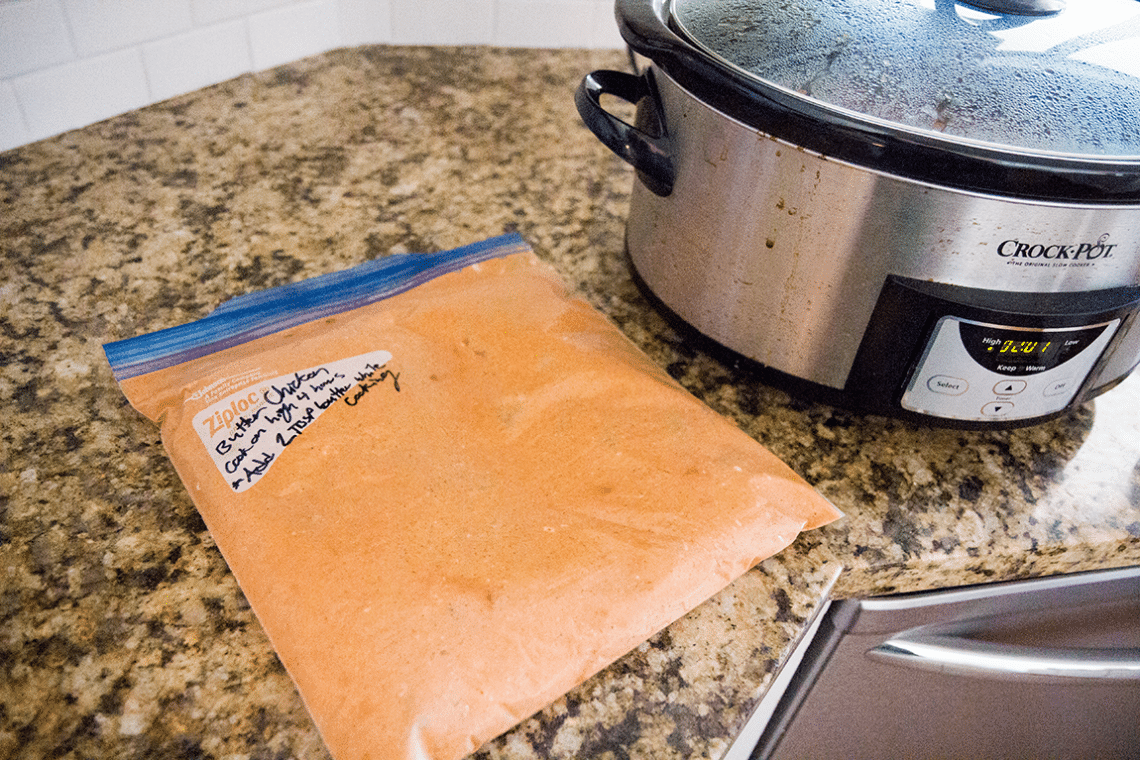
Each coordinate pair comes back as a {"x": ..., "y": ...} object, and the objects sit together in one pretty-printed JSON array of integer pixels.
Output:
[
  {"x": 369, "y": 380},
  {"x": 246, "y": 432}
]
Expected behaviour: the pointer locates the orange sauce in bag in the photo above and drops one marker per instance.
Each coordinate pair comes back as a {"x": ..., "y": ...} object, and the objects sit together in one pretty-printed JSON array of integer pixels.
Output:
[{"x": 451, "y": 506}]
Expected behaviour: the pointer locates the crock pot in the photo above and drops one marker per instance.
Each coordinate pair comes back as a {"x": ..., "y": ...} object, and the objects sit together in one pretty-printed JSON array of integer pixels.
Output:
[{"x": 917, "y": 208}]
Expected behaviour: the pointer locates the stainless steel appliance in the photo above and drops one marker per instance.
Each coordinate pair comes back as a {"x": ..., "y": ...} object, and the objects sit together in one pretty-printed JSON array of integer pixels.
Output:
[
  {"x": 912, "y": 207},
  {"x": 1043, "y": 668}
]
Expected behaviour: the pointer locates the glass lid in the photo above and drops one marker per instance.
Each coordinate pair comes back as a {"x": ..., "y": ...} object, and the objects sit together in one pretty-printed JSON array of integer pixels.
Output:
[{"x": 1033, "y": 75}]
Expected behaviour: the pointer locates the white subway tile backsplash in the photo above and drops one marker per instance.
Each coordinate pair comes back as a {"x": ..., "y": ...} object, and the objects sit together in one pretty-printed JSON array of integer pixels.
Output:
[
  {"x": 443, "y": 22},
  {"x": 33, "y": 35},
  {"x": 68, "y": 63},
  {"x": 212, "y": 11},
  {"x": 195, "y": 59},
  {"x": 544, "y": 23},
  {"x": 605, "y": 30},
  {"x": 13, "y": 130},
  {"x": 100, "y": 26},
  {"x": 293, "y": 31},
  {"x": 81, "y": 92},
  {"x": 364, "y": 22}
]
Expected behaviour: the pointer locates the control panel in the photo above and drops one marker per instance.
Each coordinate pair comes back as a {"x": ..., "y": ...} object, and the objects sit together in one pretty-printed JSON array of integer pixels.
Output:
[{"x": 976, "y": 371}]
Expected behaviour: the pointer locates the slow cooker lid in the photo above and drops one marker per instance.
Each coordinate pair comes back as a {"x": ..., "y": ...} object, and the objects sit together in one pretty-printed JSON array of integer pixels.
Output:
[{"x": 1043, "y": 76}]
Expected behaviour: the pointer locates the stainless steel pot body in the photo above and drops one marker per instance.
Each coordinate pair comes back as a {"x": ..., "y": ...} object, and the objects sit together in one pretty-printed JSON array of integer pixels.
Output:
[{"x": 781, "y": 254}]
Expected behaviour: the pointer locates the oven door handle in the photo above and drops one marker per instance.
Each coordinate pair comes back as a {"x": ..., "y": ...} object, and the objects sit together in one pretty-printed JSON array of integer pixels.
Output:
[{"x": 955, "y": 655}]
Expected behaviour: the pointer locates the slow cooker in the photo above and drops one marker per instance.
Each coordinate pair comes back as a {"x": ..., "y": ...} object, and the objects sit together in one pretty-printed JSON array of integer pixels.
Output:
[{"x": 920, "y": 208}]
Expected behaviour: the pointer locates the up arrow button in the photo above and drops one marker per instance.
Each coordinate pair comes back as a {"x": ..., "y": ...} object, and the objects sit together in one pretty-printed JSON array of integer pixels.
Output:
[{"x": 1009, "y": 387}]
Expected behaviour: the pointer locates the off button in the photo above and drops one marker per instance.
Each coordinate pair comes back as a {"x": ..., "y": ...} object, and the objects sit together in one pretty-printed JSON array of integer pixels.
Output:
[
  {"x": 1059, "y": 387},
  {"x": 951, "y": 386}
]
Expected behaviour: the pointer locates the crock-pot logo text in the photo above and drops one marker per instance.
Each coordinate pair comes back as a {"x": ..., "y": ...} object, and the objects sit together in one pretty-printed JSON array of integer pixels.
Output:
[{"x": 1020, "y": 249}]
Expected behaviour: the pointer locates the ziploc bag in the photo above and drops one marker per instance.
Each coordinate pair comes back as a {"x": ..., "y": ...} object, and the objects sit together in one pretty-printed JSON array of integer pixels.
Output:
[{"x": 450, "y": 491}]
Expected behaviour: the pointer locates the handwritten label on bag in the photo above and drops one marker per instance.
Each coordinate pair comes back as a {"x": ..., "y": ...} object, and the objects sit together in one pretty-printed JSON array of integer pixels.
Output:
[{"x": 246, "y": 431}]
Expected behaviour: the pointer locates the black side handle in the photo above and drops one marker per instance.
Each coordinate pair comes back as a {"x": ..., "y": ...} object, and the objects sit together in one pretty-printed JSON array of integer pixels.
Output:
[{"x": 647, "y": 153}]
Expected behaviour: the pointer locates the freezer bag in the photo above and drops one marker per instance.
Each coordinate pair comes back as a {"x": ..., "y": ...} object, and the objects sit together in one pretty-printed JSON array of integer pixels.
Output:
[{"x": 449, "y": 490}]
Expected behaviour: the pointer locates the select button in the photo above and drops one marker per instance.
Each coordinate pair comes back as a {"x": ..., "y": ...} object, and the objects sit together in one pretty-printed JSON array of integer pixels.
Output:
[{"x": 951, "y": 386}]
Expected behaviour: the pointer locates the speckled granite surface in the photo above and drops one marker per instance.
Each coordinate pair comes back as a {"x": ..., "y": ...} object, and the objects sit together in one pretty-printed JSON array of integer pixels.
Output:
[{"x": 122, "y": 633}]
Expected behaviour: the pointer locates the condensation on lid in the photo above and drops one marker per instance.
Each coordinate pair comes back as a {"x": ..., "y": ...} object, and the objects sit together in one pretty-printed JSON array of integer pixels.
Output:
[{"x": 1067, "y": 82}]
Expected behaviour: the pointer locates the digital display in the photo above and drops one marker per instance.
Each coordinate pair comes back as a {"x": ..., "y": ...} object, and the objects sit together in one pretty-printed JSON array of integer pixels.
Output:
[
  {"x": 1022, "y": 348},
  {"x": 1010, "y": 351}
]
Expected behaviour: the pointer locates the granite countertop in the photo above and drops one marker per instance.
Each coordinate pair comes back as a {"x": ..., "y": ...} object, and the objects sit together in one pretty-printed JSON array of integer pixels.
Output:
[{"x": 123, "y": 634}]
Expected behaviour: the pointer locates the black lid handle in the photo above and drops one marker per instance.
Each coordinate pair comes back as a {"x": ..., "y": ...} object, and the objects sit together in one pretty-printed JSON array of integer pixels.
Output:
[{"x": 1018, "y": 7}]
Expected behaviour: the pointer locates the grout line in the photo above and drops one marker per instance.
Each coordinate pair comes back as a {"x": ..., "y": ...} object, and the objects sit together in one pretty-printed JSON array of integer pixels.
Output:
[
  {"x": 67, "y": 23},
  {"x": 150, "y": 94},
  {"x": 21, "y": 110},
  {"x": 248, "y": 42}
]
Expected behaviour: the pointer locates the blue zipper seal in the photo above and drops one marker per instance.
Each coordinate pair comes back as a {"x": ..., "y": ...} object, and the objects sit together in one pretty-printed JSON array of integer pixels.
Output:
[{"x": 255, "y": 315}]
